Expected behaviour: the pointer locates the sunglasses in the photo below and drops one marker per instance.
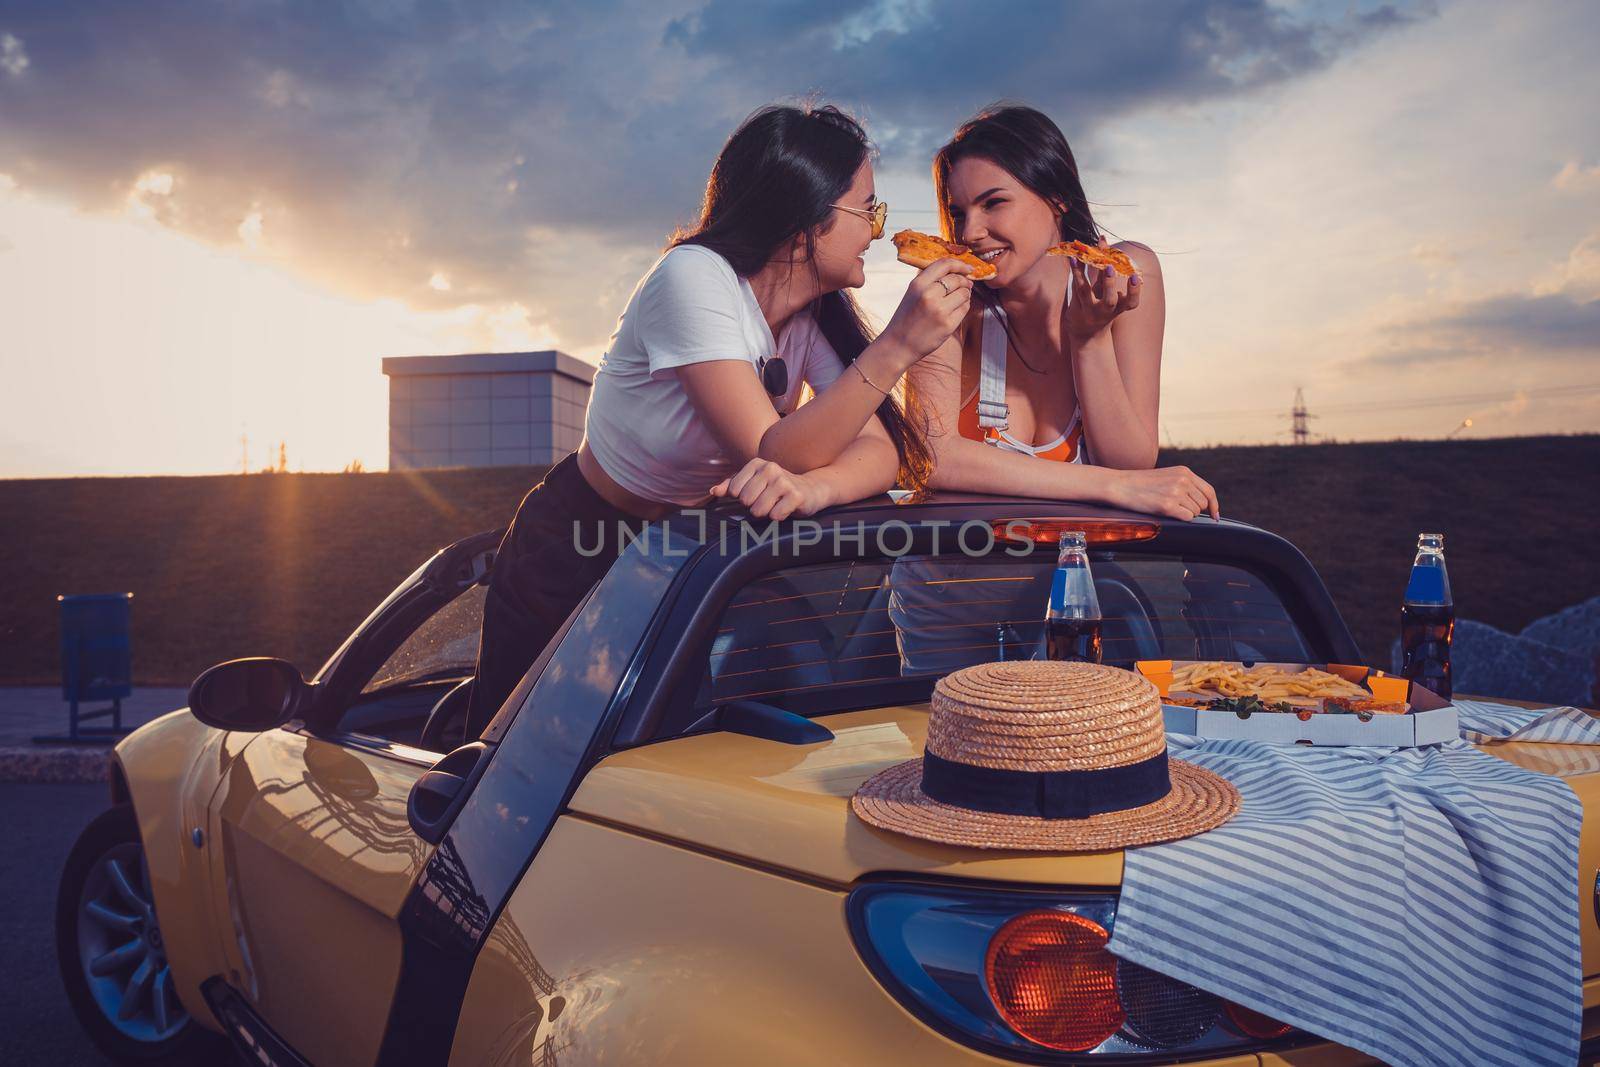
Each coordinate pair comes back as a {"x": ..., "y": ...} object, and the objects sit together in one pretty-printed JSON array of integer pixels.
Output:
[
  {"x": 879, "y": 214},
  {"x": 775, "y": 379}
]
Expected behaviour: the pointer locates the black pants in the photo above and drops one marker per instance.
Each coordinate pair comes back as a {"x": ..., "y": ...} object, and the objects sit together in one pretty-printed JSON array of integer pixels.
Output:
[{"x": 538, "y": 578}]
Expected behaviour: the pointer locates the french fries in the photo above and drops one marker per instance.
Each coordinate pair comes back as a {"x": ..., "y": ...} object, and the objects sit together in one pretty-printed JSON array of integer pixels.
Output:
[{"x": 1264, "y": 683}]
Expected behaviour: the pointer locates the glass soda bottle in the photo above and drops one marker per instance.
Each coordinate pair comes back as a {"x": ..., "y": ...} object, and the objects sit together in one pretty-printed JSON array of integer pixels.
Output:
[
  {"x": 1008, "y": 642},
  {"x": 1428, "y": 618},
  {"x": 1072, "y": 618}
]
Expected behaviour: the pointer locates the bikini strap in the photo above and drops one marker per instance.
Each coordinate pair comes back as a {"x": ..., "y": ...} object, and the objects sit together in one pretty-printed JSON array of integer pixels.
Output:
[{"x": 993, "y": 411}]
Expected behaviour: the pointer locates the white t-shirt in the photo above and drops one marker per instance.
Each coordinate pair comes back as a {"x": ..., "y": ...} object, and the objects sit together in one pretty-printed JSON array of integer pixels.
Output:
[{"x": 690, "y": 308}]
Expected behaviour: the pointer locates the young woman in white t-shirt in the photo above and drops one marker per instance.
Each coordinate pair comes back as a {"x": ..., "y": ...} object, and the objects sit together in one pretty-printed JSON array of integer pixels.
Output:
[{"x": 698, "y": 395}]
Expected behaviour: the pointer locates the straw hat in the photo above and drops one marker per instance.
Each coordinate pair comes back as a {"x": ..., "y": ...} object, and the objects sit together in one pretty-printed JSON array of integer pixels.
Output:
[{"x": 1050, "y": 756}]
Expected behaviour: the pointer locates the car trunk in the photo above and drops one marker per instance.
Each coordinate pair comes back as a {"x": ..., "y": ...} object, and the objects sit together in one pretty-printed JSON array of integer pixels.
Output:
[{"x": 787, "y": 808}]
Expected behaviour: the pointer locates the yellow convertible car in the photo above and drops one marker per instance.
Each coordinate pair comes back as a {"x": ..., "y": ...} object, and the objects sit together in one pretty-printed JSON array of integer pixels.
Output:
[{"x": 649, "y": 857}]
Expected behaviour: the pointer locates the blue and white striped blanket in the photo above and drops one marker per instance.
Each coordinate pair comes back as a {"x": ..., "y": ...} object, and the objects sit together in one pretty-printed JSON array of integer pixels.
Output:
[
  {"x": 1419, "y": 905},
  {"x": 1482, "y": 721}
]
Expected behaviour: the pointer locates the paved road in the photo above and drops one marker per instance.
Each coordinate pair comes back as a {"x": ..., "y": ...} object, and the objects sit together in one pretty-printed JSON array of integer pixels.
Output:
[
  {"x": 40, "y": 824},
  {"x": 27, "y": 710}
]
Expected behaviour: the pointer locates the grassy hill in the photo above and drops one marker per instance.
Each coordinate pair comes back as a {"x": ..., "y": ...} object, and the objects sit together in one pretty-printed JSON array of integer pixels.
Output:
[{"x": 287, "y": 564}]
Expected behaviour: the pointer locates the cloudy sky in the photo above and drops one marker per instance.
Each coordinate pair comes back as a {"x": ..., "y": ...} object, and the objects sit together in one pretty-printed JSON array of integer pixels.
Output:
[{"x": 216, "y": 218}]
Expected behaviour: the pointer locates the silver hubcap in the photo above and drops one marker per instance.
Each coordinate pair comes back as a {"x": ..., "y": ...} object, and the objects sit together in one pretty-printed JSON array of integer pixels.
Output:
[{"x": 120, "y": 948}]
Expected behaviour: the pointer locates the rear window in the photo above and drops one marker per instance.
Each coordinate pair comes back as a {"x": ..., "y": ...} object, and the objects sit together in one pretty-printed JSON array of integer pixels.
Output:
[{"x": 817, "y": 638}]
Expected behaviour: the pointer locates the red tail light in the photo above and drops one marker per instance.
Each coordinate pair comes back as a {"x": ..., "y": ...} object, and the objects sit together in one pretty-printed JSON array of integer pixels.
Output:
[
  {"x": 1095, "y": 531},
  {"x": 1254, "y": 1024},
  {"x": 1052, "y": 980}
]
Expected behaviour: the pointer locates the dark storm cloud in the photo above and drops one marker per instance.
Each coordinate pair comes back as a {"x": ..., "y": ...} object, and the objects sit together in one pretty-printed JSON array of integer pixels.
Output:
[
  {"x": 540, "y": 152},
  {"x": 1553, "y": 328},
  {"x": 922, "y": 67}
]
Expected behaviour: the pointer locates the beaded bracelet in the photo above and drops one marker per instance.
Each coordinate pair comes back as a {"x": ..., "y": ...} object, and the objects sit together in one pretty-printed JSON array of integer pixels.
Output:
[{"x": 869, "y": 381}]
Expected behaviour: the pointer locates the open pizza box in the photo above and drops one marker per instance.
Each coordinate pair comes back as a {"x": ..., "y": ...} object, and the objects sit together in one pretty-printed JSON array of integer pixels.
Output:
[{"x": 1430, "y": 721}]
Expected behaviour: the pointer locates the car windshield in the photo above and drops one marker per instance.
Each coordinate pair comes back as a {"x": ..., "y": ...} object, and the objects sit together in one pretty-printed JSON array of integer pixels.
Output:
[{"x": 812, "y": 638}]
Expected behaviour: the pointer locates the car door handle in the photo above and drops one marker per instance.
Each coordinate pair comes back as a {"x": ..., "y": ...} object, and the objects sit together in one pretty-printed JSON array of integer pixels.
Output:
[
  {"x": 437, "y": 797},
  {"x": 439, "y": 788}
]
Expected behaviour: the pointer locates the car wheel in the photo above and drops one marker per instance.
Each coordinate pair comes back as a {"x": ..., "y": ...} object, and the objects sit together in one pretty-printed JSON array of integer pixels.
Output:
[{"x": 112, "y": 958}]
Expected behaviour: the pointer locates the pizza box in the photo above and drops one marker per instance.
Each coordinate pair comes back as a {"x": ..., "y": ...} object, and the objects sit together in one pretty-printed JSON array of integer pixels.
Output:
[{"x": 1431, "y": 720}]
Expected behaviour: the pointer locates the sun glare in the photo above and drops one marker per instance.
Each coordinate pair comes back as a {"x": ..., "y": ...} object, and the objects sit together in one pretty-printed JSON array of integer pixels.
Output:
[{"x": 132, "y": 349}]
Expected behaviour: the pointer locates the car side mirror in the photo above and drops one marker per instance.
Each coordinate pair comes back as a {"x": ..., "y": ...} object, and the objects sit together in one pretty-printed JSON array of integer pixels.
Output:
[{"x": 252, "y": 694}]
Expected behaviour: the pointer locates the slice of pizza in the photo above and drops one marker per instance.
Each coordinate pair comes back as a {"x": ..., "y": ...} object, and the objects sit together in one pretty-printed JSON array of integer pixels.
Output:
[
  {"x": 1114, "y": 258},
  {"x": 923, "y": 250},
  {"x": 1373, "y": 707}
]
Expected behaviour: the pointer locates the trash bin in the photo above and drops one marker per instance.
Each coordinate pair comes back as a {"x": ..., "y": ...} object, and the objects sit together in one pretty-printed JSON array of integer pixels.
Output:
[{"x": 96, "y": 663}]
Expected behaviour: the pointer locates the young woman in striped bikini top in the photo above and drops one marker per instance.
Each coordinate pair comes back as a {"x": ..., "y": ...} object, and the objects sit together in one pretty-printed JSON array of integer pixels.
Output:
[{"x": 1051, "y": 387}]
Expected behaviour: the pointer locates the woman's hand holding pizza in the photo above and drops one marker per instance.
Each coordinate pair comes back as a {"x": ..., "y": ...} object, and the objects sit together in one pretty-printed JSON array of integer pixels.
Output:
[
  {"x": 1098, "y": 295},
  {"x": 935, "y": 303}
]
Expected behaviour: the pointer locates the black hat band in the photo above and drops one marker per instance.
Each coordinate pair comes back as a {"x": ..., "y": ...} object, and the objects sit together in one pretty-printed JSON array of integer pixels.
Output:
[{"x": 1046, "y": 794}]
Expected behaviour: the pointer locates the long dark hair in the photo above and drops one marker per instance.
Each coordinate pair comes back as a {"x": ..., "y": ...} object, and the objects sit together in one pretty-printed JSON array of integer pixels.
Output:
[
  {"x": 778, "y": 178},
  {"x": 1024, "y": 143}
]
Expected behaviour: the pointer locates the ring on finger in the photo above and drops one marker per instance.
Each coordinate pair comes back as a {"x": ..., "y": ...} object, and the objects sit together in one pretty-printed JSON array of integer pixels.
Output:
[{"x": 946, "y": 288}]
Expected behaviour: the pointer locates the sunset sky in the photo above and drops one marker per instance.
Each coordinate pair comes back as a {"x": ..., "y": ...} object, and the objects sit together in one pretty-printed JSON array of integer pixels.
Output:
[{"x": 215, "y": 219}]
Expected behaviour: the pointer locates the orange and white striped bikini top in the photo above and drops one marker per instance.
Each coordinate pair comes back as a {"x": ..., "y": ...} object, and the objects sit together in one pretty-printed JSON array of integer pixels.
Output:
[{"x": 984, "y": 413}]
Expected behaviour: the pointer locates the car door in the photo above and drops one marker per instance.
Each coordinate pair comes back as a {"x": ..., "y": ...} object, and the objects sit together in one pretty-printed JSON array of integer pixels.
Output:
[{"x": 311, "y": 849}]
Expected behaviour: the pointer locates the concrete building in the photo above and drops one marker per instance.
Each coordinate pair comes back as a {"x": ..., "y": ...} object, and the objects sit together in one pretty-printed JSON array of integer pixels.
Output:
[{"x": 497, "y": 410}]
